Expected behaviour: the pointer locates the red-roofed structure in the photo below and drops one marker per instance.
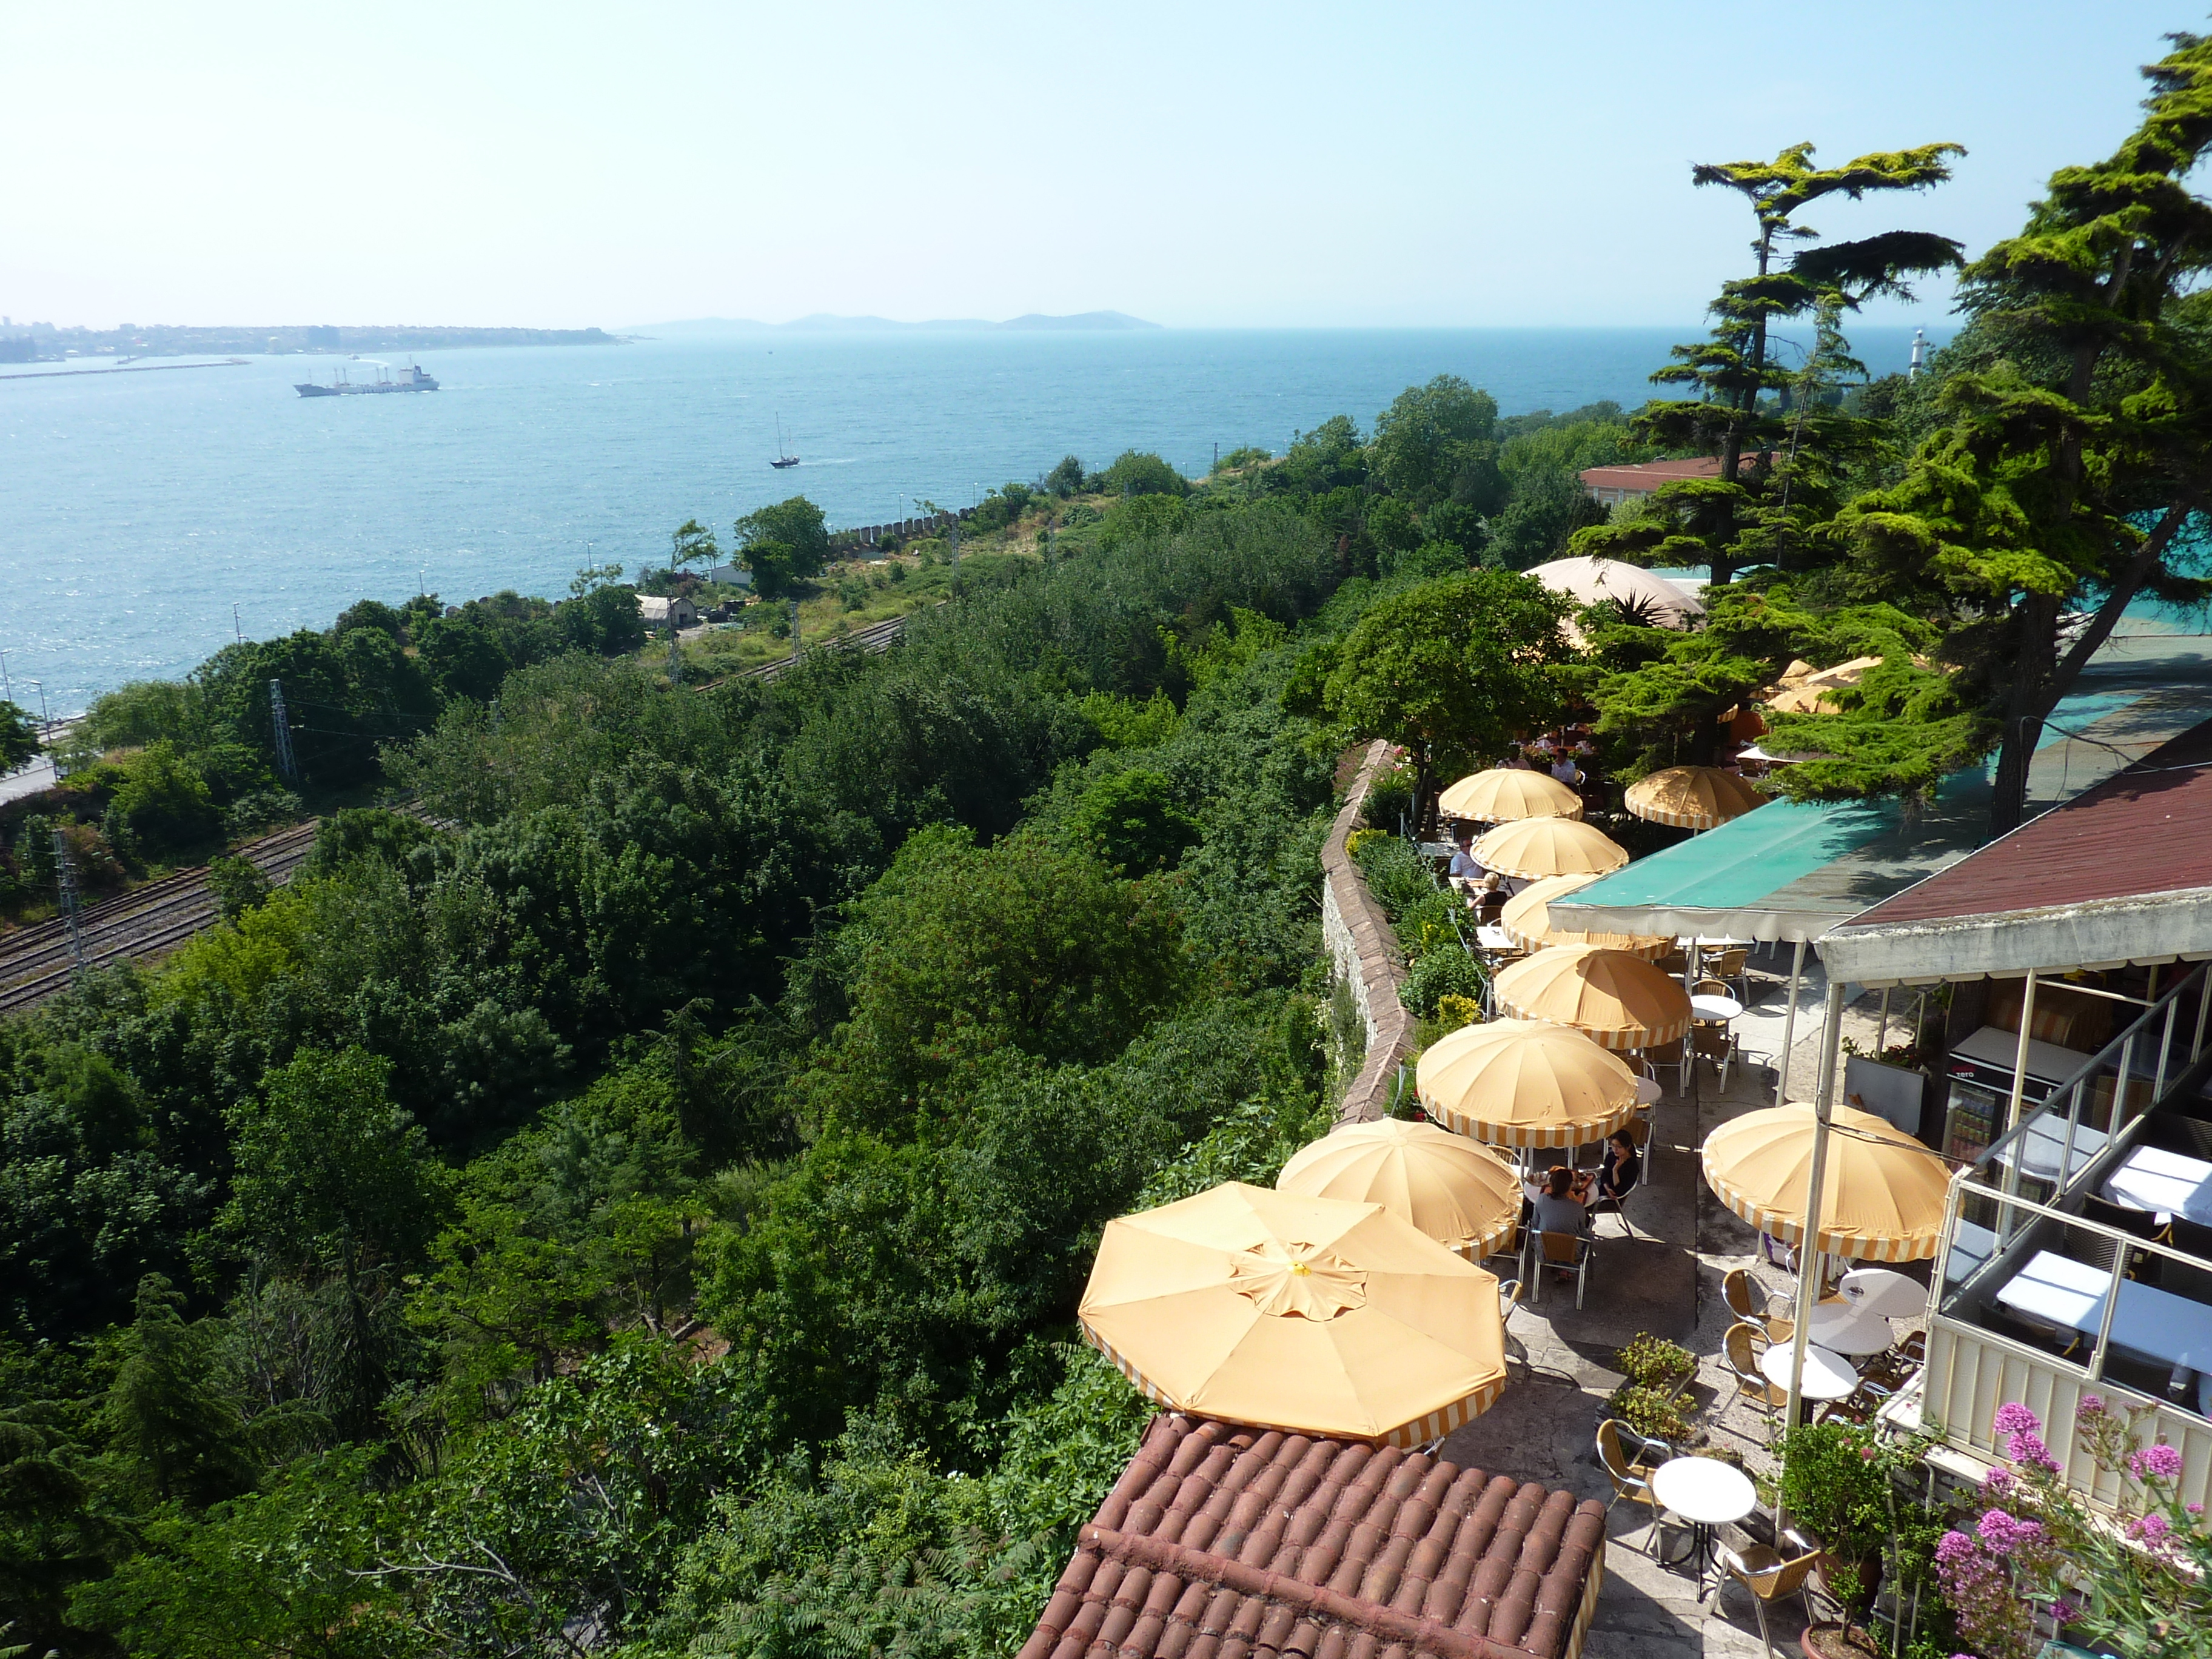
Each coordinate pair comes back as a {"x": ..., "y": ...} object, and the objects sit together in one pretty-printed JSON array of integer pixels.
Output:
[
  {"x": 1222, "y": 1542},
  {"x": 2121, "y": 873},
  {"x": 1632, "y": 481}
]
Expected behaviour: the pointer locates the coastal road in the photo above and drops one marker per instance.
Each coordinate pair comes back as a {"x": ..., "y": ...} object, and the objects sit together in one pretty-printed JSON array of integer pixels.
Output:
[{"x": 148, "y": 921}]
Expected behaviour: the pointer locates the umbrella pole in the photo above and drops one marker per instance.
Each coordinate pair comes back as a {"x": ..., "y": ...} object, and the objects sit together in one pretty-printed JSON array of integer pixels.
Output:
[
  {"x": 1808, "y": 1250},
  {"x": 1789, "y": 1026}
]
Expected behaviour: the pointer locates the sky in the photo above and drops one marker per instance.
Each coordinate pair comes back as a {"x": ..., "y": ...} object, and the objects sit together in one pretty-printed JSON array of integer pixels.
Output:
[{"x": 1230, "y": 165}]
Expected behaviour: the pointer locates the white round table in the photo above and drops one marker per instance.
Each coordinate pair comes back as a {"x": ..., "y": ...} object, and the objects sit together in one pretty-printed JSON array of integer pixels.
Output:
[
  {"x": 1707, "y": 1493},
  {"x": 1709, "y": 1006},
  {"x": 1885, "y": 1291},
  {"x": 1648, "y": 1091},
  {"x": 1827, "y": 1376},
  {"x": 1846, "y": 1328},
  {"x": 1493, "y": 939}
]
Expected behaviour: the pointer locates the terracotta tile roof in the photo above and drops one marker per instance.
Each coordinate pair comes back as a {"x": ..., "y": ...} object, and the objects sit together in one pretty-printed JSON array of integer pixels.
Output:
[
  {"x": 1222, "y": 1542},
  {"x": 1649, "y": 475}
]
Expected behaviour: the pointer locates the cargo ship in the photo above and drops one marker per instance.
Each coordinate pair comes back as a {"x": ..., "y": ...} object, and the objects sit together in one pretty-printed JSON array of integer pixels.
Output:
[{"x": 411, "y": 379}]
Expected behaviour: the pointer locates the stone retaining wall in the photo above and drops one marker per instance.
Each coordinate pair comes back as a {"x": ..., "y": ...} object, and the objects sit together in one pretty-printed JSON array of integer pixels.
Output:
[{"x": 1364, "y": 953}]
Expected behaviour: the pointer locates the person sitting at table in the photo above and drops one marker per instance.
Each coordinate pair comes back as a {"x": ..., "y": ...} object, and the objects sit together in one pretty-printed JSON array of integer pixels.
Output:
[
  {"x": 1515, "y": 761},
  {"x": 1488, "y": 900},
  {"x": 1622, "y": 1165},
  {"x": 1464, "y": 865},
  {"x": 1565, "y": 769},
  {"x": 1558, "y": 1202}
]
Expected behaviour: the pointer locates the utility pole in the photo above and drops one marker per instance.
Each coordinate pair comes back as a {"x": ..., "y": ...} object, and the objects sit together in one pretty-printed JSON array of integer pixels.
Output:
[
  {"x": 237, "y": 628},
  {"x": 46, "y": 721},
  {"x": 675, "y": 657},
  {"x": 956, "y": 538},
  {"x": 286, "y": 767},
  {"x": 7, "y": 691},
  {"x": 65, "y": 880},
  {"x": 1217, "y": 455}
]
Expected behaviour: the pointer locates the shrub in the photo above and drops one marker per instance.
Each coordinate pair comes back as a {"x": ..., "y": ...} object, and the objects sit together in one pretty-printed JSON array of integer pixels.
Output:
[
  {"x": 1438, "y": 975},
  {"x": 1653, "y": 1361},
  {"x": 1139, "y": 472},
  {"x": 163, "y": 798},
  {"x": 262, "y": 810},
  {"x": 1455, "y": 1011},
  {"x": 1654, "y": 1411},
  {"x": 238, "y": 885},
  {"x": 1390, "y": 798}
]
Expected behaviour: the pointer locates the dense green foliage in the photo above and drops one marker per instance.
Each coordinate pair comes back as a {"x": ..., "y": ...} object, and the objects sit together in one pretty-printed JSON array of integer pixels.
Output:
[{"x": 653, "y": 1191}]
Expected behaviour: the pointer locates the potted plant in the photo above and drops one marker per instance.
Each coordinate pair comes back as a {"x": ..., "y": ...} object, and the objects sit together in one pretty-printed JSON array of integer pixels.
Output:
[{"x": 1838, "y": 1483}]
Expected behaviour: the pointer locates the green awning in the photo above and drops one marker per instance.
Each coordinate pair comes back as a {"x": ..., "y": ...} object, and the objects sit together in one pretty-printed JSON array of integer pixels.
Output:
[{"x": 1792, "y": 871}]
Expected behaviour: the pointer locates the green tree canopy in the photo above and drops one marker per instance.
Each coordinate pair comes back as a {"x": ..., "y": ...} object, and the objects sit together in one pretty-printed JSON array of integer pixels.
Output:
[
  {"x": 1453, "y": 670},
  {"x": 782, "y": 545},
  {"x": 1438, "y": 443}
]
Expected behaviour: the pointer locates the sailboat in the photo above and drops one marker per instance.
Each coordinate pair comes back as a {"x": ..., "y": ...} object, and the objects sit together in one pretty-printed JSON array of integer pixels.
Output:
[{"x": 781, "y": 459}]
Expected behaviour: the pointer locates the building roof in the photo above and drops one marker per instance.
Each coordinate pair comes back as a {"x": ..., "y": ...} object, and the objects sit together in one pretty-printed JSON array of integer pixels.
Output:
[
  {"x": 2121, "y": 873},
  {"x": 652, "y": 606},
  {"x": 1801, "y": 869},
  {"x": 1222, "y": 1542},
  {"x": 1649, "y": 475}
]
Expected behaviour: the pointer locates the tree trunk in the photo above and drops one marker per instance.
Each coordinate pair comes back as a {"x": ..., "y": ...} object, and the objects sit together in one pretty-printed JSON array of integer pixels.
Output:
[{"x": 2026, "y": 704}]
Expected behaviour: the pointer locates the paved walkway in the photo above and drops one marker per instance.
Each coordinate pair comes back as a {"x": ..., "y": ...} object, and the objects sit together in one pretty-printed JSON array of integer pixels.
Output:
[{"x": 1666, "y": 1280}]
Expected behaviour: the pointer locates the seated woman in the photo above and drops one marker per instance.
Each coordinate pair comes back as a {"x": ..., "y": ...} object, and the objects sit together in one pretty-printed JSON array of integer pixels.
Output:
[
  {"x": 1558, "y": 1202},
  {"x": 1622, "y": 1167}
]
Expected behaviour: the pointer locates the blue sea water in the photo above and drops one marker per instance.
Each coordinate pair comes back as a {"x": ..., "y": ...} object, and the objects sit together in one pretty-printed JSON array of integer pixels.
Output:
[{"x": 138, "y": 510}]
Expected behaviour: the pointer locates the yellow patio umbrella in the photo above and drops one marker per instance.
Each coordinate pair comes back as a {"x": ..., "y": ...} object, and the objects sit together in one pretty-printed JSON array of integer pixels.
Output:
[
  {"x": 1883, "y": 1191},
  {"x": 1692, "y": 797},
  {"x": 1526, "y": 921},
  {"x": 1310, "y": 1314},
  {"x": 1533, "y": 847},
  {"x": 1504, "y": 794},
  {"x": 1464, "y": 1196},
  {"x": 1621, "y": 1001},
  {"x": 1524, "y": 1083}
]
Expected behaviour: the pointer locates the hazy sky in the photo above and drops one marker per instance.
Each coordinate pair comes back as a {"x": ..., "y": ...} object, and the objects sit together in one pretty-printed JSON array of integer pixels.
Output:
[{"x": 1201, "y": 165}]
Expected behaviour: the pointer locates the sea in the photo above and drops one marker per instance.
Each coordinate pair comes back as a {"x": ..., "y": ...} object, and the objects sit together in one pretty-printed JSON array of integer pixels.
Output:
[{"x": 149, "y": 518}]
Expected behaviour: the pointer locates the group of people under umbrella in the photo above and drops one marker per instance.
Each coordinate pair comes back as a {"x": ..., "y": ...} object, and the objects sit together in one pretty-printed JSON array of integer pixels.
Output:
[{"x": 1348, "y": 1301}]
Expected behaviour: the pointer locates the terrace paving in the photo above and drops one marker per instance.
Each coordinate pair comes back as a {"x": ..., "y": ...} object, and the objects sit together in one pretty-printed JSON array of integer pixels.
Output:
[{"x": 1665, "y": 1280}]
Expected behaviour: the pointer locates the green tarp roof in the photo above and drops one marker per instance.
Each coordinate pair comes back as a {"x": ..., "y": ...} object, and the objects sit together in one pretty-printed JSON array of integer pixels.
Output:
[{"x": 1792, "y": 871}]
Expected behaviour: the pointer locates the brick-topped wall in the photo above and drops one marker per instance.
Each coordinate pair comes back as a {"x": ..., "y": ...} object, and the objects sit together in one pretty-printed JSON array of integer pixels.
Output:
[{"x": 1364, "y": 953}]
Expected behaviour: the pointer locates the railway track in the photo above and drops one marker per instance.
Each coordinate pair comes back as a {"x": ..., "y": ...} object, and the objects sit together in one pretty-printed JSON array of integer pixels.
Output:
[
  {"x": 156, "y": 919},
  {"x": 148, "y": 921},
  {"x": 880, "y": 636}
]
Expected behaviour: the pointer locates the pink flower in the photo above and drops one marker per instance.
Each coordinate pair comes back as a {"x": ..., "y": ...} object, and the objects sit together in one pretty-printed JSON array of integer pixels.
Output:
[
  {"x": 2004, "y": 1534},
  {"x": 2093, "y": 1404},
  {"x": 2013, "y": 1418},
  {"x": 1999, "y": 1482},
  {"x": 2159, "y": 1462},
  {"x": 2151, "y": 1528},
  {"x": 1954, "y": 1548},
  {"x": 2194, "y": 1509},
  {"x": 2026, "y": 1448}
]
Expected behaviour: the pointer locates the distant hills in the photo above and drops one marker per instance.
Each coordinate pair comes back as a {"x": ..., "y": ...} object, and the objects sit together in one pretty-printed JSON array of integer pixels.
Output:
[
  {"x": 825, "y": 322},
  {"x": 41, "y": 342}
]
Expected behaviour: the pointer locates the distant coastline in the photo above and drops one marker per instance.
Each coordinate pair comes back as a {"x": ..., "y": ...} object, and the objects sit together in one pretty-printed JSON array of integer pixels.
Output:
[
  {"x": 42, "y": 342},
  {"x": 826, "y": 323}
]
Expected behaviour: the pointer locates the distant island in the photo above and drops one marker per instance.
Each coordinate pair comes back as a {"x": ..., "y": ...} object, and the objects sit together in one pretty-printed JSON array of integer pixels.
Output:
[
  {"x": 825, "y": 322},
  {"x": 21, "y": 343}
]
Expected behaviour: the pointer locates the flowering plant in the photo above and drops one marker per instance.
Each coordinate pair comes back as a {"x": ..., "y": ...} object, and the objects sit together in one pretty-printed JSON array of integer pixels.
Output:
[{"x": 2135, "y": 1580}]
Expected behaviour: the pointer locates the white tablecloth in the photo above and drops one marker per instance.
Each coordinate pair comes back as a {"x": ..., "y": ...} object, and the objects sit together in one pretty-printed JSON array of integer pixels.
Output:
[
  {"x": 1885, "y": 1291},
  {"x": 1827, "y": 1376},
  {"x": 2155, "y": 1323},
  {"x": 1704, "y": 1490},
  {"x": 1845, "y": 1328},
  {"x": 1708, "y": 1006},
  {"x": 1493, "y": 939},
  {"x": 2168, "y": 1184},
  {"x": 2046, "y": 1138}
]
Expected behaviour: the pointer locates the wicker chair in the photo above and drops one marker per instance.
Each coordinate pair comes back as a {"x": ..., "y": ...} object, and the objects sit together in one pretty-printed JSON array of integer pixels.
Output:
[
  {"x": 1564, "y": 1253},
  {"x": 1741, "y": 1291},
  {"x": 1630, "y": 1472},
  {"x": 1742, "y": 1347},
  {"x": 1769, "y": 1577}
]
